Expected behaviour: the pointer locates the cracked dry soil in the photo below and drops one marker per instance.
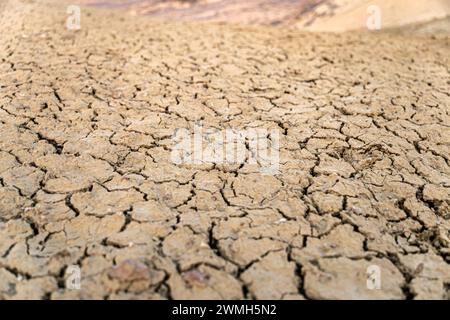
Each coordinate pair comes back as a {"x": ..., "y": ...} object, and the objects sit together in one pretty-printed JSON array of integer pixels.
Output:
[{"x": 86, "y": 120}]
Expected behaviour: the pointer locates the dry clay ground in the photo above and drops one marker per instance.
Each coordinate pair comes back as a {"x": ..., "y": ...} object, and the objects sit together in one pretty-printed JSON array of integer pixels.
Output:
[{"x": 86, "y": 120}]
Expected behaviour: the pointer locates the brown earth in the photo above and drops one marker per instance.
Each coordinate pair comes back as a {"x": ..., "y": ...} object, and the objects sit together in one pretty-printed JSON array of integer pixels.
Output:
[{"x": 86, "y": 120}]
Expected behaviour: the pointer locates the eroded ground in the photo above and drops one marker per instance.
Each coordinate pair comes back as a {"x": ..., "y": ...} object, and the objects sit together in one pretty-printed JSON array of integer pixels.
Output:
[{"x": 86, "y": 121}]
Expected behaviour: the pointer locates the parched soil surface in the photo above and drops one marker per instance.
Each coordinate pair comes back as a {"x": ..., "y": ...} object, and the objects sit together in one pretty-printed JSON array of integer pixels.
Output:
[{"x": 86, "y": 177}]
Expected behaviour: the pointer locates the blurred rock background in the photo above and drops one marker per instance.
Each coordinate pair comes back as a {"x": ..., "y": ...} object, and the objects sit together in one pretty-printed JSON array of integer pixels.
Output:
[{"x": 418, "y": 16}]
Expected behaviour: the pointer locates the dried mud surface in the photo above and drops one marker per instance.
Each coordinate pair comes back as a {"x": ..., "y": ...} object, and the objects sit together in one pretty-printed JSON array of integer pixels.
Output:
[{"x": 86, "y": 120}]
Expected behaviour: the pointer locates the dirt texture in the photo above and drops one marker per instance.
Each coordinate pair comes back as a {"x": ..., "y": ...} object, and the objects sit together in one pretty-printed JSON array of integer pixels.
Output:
[{"x": 86, "y": 178}]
